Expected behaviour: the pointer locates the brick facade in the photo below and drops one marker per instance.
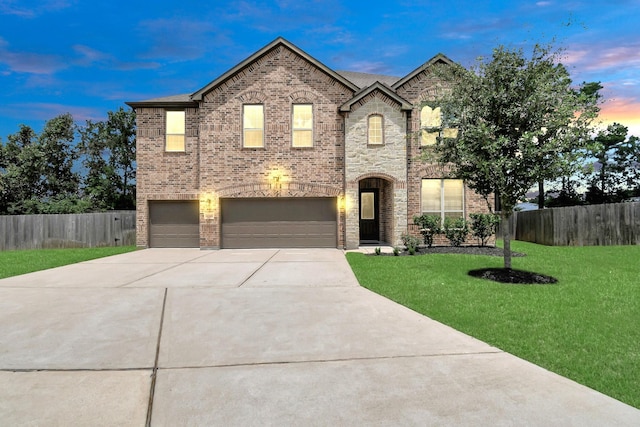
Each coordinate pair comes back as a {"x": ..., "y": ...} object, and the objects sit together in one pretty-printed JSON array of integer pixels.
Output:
[{"x": 215, "y": 164}]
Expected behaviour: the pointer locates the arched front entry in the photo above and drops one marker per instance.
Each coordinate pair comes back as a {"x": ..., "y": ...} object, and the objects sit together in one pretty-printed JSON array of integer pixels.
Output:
[{"x": 375, "y": 211}]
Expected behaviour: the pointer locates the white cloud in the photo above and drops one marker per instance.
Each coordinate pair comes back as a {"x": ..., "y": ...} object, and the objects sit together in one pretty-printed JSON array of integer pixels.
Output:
[{"x": 28, "y": 62}]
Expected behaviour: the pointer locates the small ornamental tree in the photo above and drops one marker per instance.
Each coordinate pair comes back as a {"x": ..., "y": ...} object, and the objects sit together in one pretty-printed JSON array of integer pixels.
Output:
[{"x": 519, "y": 122}]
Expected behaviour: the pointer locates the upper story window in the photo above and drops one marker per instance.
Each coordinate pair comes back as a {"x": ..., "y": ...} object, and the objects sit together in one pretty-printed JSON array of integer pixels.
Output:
[
  {"x": 443, "y": 197},
  {"x": 430, "y": 123},
  {"x": 374, "y": 130},
  {"x": 302, "y": 125},
  {"x": 253, "y": 125},
  {"x": 431, "y": 126},
  {"x": 175, "y": 126}
]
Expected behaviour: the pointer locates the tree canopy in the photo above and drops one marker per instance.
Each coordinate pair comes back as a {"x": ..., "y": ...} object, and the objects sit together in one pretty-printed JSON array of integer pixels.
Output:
[
  {"x": 519, "y": 120},
  {"x": 69, "y": 168}
]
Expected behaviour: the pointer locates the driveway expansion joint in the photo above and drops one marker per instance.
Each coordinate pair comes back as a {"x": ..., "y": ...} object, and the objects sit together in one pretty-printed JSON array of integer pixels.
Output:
[
  {"x": 346, "y": 359},
  {"x": 154, "y": 372},
  {"x": 258, "y": 269},
  {"x": 25, "y": 370}
]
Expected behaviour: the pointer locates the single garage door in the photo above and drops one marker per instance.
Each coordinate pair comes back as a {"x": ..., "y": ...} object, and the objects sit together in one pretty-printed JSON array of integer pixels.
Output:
[
  {"x": 279, "y": 223},
  {"x": 174, "y": 224}
]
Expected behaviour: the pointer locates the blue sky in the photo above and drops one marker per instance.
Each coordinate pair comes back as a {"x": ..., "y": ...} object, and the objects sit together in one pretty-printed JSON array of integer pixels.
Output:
[{"x": 89, "y": 57}]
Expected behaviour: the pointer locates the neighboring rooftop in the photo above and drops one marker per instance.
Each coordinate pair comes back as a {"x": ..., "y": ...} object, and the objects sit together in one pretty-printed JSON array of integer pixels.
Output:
[{"x": 363, "y": 80}]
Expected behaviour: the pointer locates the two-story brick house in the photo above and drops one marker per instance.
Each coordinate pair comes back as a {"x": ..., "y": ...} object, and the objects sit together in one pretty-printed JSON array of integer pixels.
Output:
[{"x": 282, "y": 151}]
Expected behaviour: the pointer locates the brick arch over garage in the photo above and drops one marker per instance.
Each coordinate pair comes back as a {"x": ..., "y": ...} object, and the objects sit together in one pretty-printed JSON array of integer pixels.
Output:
[{"x": 284, "y": 189}]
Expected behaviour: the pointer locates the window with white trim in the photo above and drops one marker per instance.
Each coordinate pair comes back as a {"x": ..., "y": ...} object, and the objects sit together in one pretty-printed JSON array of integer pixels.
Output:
[
  {"x": 174, "y": 131},
  {"x": 375, "y": 130},
  {"x": 253, "y": 126},
  {"x": 444, "y": 197},
  {"x": 302, "y": 125}
]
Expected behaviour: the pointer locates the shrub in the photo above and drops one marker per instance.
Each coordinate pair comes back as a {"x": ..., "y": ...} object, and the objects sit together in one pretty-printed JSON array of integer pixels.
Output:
[
  {"x": 456, "y": 230},
  {"x": 396, "y": 251},
  {"x": 429, "y": 227},
  {"x": 410, "y": 242},
  {"x": 484, "y": 226},
  {"x": 378, "y": 251}
]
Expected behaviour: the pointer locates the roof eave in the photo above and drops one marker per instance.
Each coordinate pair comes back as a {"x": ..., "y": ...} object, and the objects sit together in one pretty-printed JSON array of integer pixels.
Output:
[
  {"x": 404, "y": 104},
  {"x": 162, "y": 104},
  {"x": 426, "y": 65}
]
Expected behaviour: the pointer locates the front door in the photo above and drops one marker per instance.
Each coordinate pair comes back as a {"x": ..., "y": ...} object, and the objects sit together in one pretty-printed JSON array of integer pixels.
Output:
[{"x": 369, "y": 222}]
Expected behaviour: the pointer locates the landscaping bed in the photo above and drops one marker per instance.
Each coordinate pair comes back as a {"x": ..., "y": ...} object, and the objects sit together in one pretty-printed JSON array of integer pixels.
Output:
[{"x": 459, "y": 250}]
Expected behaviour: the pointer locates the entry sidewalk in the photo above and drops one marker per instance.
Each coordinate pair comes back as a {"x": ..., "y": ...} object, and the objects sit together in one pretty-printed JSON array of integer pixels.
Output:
[{"x": 255, "y": 337}]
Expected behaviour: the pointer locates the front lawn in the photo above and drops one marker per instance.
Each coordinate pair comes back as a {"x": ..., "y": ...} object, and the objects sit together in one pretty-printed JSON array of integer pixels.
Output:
[
  {"x": 586, "y": 327},
  {"x": 13, "y": 263}
]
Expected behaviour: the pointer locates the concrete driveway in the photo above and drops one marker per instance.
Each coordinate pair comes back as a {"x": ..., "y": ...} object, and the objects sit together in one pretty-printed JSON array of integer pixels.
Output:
[{"x": 255, "y": 337}]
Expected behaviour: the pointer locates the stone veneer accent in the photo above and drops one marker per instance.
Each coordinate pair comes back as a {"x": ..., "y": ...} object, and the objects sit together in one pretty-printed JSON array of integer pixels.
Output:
[{"x": 387, "y": 162}]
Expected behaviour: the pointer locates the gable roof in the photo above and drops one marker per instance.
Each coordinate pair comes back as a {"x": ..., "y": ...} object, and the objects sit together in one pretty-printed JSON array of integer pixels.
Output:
[
  {"x": 377, "y": 86},
  {"x": 197, "y": 96},
  {"x": 438, "y": 58}
]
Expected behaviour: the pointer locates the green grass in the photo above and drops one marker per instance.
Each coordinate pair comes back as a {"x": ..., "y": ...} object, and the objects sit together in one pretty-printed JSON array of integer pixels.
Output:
[
  {"x": 13, "y": 263},
  {"x": 586, "y": 327}
]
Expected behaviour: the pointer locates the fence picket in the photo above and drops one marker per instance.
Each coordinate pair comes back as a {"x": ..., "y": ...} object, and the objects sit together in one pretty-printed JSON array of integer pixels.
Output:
[
  {"x": 592, "y": 225},
  {"x": 67, "y": 230}
]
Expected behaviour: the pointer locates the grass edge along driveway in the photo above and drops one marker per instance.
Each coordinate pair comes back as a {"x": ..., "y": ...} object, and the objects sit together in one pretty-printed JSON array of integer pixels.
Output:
[
  {"x": 14, "y": 263},
  {"x": 585, "y": 327}
]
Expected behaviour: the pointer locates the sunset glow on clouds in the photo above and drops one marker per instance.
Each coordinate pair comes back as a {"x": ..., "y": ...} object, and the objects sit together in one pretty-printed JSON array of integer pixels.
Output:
[{"x": 87, "y": 58}]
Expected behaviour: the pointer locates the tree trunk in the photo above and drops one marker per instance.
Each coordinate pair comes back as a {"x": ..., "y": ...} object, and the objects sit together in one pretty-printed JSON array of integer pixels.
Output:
[
  {"x": 541, "y": 195},
  {"x": 506, "y": 236}
]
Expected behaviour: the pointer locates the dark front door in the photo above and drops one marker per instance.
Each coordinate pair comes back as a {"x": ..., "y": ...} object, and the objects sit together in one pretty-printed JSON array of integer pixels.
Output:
[{"x": 369, "y": 212}]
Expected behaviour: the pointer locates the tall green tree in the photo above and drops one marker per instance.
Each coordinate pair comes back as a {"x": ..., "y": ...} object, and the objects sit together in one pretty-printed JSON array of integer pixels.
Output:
[
  {"x": 605, "y": 176},
  {"x": 628, "y": 158},
  {"x": 21, "y": 166},
  {"x": 109, "y": 150},
  {"x": 57, "y": 144},
  {"x": 520, "y": 122}
]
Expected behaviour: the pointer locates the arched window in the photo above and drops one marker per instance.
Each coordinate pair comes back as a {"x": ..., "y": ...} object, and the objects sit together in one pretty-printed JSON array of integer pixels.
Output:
[{"x": 375, "y": 130}]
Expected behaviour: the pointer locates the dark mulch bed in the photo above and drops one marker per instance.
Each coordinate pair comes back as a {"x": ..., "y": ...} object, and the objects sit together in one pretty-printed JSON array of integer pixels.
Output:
[
  {"x": 465, "y": 250},
  {"x": 508, "y": 275},
  {"x": 502, "y": 275}
]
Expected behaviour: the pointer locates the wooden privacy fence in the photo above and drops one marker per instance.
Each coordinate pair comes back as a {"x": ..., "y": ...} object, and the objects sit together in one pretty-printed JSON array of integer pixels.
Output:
[
  {"x": 592, "y": 225},
  {"x": 114, "y": 228}
]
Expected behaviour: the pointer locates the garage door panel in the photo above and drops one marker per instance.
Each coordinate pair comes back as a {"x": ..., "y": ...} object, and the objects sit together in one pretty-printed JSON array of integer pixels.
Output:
[
  {"x": 269, "y": 223},
  {"x": 174, "y": 224}
]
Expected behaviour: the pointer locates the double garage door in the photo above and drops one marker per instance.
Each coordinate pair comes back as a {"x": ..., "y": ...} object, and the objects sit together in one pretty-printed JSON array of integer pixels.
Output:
[
  {"x": 279, "y": 223},
  {"x": 248, "y": 223}
]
